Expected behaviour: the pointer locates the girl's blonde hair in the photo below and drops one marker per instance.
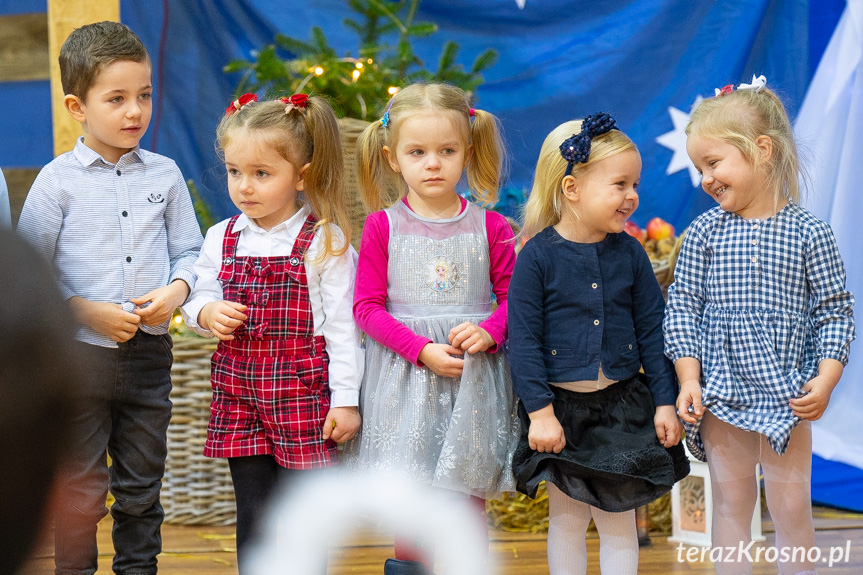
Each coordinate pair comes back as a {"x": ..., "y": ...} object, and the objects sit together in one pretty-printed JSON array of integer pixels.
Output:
[
  {"x": 739, "y": 118},
  {"x": 302, "y": 135},
  {"x": 545, "y": 204},
  {"x": 377, "y": 178}
]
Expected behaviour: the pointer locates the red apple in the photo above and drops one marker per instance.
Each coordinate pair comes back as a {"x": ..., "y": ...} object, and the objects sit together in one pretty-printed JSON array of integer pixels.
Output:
[
  {"x": 632, "y": 229},
  {"x": 658, "y": 229}
]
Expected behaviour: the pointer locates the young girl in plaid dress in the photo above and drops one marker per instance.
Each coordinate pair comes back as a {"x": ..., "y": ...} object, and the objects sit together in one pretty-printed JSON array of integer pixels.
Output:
[
  {"x": 275, "y": 285},
  {"x": 758, "y": 321},
  {"x": 436, "y": 400}
]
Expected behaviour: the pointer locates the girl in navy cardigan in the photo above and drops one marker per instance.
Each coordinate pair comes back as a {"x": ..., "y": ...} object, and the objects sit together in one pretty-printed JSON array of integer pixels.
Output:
[{"x": 585, "y": 314}]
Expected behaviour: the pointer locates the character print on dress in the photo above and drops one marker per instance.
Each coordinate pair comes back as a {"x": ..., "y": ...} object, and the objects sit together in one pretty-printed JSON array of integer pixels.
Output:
[{"x": 455, "y": 433}]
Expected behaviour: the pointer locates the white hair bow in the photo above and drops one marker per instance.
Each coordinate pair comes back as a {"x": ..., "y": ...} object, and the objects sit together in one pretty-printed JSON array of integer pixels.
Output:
[{"x": 757, "y": 84}]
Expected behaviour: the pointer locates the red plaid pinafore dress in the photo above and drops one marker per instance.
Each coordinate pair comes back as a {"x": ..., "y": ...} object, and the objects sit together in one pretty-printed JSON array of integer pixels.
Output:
[{"x": 270, "y": 384}]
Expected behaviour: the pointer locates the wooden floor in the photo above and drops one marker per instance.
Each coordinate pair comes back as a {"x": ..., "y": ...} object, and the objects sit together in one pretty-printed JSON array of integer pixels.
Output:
[{"x": 211, "y": 551}]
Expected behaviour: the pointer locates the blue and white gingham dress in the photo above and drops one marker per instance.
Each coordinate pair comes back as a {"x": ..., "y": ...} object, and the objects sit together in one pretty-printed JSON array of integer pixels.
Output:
[{"x": 759, "y": 303}]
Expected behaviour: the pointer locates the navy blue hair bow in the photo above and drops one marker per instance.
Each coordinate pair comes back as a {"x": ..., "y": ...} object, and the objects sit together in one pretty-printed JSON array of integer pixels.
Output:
[{"x": 576, "y": 148}]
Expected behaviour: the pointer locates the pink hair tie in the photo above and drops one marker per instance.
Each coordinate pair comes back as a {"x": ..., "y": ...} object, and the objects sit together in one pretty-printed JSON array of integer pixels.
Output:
[{"x": 471, "y": 112}]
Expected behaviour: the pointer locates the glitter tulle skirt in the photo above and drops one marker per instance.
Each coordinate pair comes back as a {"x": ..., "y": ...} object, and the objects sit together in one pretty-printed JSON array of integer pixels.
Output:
[{"x": 454, "y": 433}]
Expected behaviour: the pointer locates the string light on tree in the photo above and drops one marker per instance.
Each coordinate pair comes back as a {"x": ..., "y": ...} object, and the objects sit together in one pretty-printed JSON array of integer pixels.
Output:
[{"x": 357, "y": 84}]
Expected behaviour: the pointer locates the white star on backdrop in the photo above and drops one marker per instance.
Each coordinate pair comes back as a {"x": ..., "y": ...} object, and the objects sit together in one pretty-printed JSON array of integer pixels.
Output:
[
  {"x": 520, "y": 4},
  {"x": 675, "y": 141}
]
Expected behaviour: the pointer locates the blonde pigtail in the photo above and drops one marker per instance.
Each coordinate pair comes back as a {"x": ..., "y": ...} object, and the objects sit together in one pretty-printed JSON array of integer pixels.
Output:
[
  {"x": 485, "y": 167},
  {"x": 324, "y": 177}
]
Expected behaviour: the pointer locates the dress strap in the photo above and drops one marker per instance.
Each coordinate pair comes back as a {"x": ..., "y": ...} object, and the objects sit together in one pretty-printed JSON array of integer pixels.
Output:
[
  {"x": 304, "y": 240},
  {"x": 229, "y": 251}
]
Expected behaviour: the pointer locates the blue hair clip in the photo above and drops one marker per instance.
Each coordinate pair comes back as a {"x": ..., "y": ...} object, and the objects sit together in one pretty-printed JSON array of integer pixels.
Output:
[
  {"x": 576, "y": 148},
  {"x": 385, "y": 119}
]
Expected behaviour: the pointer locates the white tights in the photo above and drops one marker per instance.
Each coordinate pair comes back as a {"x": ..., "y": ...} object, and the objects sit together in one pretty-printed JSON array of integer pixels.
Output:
[
  {"x": 731, "y": 457},
  {"x": 567, "y": 525}
]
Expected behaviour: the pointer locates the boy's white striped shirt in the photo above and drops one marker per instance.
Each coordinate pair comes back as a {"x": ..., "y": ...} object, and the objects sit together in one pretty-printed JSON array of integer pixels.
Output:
[{"x": 112, "y": 232}]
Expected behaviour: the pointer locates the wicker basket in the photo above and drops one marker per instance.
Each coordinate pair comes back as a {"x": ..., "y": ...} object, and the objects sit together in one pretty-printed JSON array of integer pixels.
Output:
[
  {"x": 664, "y": 269},
  {"x": 196, "y": 490},
  {"x": 349, "y": 130}
]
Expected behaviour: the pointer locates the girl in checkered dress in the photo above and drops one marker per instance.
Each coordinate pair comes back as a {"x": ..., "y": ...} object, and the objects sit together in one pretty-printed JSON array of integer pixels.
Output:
[
  {"x": 275, "y": 285},
  {"x": 758, "y": 321},
  {"x": 436, "y": 399}
]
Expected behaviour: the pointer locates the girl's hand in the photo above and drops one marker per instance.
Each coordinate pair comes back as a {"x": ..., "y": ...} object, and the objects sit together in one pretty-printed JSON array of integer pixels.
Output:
[
  {"x": 438, "y": 357},
  {"x": 690, "y": 395},
  {"x": 469, "y": 337},
  {"x": 342, "y": 424},
  {"x": 667, "y": 424},
  {"x": 222, "y": 318},
  {"x": 545, "y": 434},
  {"x": 812, "y": 405}
]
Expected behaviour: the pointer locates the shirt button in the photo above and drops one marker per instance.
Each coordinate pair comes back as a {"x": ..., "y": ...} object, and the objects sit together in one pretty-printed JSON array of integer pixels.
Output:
[
  {"x": 554, "y": 352},
  {"x": 755, "y": 227},
  {"x": 596, "y": 322},
  {"x": 128, "y": 258},
  {"x": 754, "y": 242},
  {"x": 754, "y": 259},
  {"x": 593, "y": 285},
  {"x": 119, "y": 173},
  {"x": 630, "y": 346},
  {"x": 125, "y": 213}
]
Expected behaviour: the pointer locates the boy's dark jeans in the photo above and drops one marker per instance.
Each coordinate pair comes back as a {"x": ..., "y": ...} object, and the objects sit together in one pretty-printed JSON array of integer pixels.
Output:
[{"x": 124, "y": 409}]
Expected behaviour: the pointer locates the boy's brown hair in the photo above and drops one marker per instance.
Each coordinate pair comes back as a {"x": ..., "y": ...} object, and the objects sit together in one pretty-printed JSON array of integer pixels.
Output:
[{"x": 90, "y": 48}]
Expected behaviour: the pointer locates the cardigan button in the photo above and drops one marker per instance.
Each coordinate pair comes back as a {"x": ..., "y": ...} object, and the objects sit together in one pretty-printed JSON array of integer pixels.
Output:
[
  {"x": 596, "y": 322},
  {"x": 554, "y": 352},
  {"x": 593, "y": 285},
  {"x": 630, "y": 346}
]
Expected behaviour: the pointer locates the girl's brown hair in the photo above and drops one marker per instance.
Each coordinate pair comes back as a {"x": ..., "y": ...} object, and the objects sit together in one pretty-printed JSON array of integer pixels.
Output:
[
  {"x": 302, "y": 135},
  {"x": 484, "y": 167}
]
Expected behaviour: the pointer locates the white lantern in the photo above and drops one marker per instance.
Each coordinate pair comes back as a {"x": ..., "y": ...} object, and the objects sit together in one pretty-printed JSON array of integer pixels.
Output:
[{"x": 692, "y": 507}]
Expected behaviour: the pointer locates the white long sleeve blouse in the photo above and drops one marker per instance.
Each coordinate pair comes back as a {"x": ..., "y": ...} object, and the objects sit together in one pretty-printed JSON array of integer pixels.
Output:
[{"x": 330, "y": 285}]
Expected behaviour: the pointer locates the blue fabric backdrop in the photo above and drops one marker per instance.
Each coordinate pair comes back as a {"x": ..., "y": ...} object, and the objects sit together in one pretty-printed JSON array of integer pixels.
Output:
[{"x": 643, "y": 61}]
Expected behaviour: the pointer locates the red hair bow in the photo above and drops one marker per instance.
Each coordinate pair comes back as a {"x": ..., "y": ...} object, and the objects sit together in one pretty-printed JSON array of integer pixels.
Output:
[
  {"x": 294, "y": 101},
  {"x": 238, "y": 104},
  {"x": 725, "y": 90}
]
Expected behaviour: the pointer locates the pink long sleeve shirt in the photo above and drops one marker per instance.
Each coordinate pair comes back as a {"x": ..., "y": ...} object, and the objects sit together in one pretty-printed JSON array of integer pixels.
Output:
[{"x": 370, "y": 293}]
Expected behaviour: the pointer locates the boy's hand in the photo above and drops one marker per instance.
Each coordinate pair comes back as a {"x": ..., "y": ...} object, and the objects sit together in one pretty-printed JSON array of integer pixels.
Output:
[
  {"x": 106, "y": 318},
  {"x": 342, "y": 423},
  {"x": 438, "y": 358},
  {"x": 545, "y": 434},
  {"x": 222, "y": 318},
  {"x": 469, "y": 337},
  {"x": 667, "y": 424},
  {"x": 690, "y": 395},
  {"x": 163, "y": 301}
]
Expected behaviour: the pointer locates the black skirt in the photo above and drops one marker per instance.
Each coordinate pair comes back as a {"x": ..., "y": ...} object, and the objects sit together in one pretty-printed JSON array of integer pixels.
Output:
[{"x": 612, "y": 459}]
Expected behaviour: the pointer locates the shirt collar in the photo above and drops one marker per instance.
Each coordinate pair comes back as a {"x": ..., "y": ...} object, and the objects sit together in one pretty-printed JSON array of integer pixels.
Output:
[
  {"x": 88, "y": 156},
  {"x": 244, "y": 222}
]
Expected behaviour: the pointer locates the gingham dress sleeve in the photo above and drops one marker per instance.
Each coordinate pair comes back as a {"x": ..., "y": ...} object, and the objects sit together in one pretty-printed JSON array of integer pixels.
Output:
[
  {"x": 686, "y": 296},
  {"x": 832, "y": 305}
]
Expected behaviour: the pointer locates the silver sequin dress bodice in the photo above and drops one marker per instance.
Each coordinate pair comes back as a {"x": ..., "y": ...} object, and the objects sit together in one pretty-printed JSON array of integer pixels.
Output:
[{"x": 455, "y": 433}]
